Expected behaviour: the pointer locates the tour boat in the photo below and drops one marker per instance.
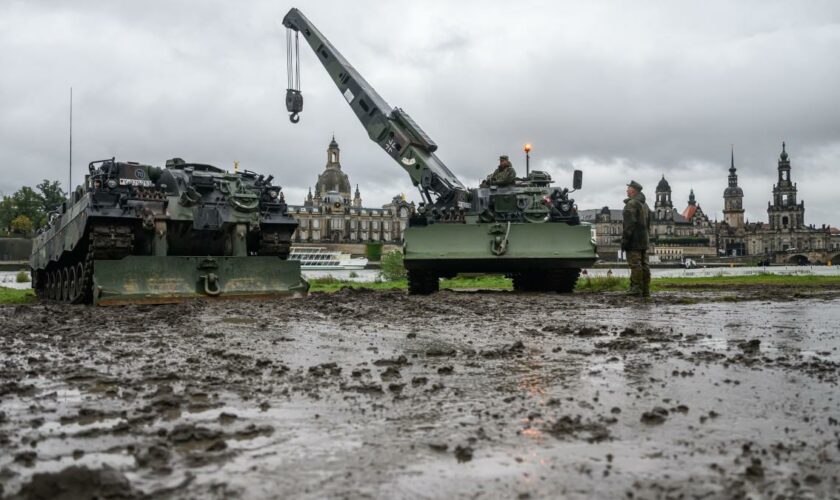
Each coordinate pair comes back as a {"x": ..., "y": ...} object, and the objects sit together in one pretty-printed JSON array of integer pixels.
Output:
[{"x": 313, "y": 258}]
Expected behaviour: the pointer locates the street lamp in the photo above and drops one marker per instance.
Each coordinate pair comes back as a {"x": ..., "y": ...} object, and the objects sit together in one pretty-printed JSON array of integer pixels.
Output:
[{"x": 527, "y": 159}]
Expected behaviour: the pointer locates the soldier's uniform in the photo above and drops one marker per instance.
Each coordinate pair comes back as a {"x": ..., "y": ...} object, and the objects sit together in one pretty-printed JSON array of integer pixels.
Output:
[
  {"x": 504, "y": 175},
  {"x": 634, "y": 241}
]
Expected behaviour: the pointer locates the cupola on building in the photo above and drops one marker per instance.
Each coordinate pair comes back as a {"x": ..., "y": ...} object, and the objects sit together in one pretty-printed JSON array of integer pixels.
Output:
[{"x": 332, "y": 214}]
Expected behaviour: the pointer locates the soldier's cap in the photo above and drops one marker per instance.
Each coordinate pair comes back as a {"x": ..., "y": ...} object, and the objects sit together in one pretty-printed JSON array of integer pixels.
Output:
[
  {"x": 503, "y": 157},
  {"x": 635, "y": 185}
]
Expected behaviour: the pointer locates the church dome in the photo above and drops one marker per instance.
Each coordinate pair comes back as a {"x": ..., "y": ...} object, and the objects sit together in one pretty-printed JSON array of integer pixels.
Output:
[
  {"x": 733, "y": 191},
  {"x": 663, "y": 185},
  {"x": 332, "y": 179}
]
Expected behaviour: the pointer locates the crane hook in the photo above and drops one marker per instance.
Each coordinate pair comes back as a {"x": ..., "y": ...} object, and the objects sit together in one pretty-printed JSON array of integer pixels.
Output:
[{"x": 294, "y": 118}]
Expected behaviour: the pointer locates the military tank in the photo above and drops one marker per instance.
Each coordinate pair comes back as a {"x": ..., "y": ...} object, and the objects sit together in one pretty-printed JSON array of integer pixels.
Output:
[
  {"x": 528, "y": 230},
  {"x": 136, "y": 233}
]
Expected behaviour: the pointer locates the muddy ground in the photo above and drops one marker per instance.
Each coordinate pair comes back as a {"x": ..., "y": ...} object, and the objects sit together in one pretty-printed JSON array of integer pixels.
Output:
[{"x": 727, "y": 394}]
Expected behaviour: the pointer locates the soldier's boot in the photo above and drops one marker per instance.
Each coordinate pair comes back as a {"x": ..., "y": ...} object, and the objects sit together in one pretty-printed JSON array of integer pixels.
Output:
[
  {"x": 646, "y": 283},
  {"x": 636, "y": 281}
]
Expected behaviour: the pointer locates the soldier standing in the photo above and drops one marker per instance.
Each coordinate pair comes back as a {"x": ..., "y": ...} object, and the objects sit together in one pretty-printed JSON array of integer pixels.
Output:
[
  {"x": 504, "y": 175},
  {"x": 634, "y": 240}
]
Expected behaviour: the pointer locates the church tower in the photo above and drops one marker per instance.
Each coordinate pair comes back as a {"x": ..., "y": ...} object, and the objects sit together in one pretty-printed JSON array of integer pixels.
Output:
[
  {"x": 733, "y": 199},
  {"x": 332, "y": 179},
  {"x": 664, "y": 207},
  {"x": 784, "y": 213},
  {"x": 357, "y": 198}
]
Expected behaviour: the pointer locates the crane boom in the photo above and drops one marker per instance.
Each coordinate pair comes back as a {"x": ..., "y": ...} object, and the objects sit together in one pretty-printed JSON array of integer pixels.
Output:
[{"x": 392, "y": 128}]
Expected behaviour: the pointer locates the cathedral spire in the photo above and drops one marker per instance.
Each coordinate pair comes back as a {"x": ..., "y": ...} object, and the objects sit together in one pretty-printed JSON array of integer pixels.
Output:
[
  {"x": 733, "y": 175},
  {"x": 732, "y": 160}
]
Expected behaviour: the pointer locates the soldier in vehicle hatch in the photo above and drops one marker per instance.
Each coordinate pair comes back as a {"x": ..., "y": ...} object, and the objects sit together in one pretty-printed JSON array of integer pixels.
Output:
[
  {"x": 504, "y": 175},
  {"x": 634, "y": 240}
]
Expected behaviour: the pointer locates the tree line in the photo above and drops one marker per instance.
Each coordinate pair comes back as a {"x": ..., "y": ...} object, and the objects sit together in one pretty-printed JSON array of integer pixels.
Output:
[{"x": 27, "y": 210}]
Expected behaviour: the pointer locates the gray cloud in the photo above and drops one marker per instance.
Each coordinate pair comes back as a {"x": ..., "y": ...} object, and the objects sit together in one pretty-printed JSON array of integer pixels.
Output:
[{"x": 620, "y": 89}]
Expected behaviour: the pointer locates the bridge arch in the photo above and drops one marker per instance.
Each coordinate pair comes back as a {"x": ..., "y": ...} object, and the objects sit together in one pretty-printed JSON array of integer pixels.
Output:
[{"x": 799, "y": 260}]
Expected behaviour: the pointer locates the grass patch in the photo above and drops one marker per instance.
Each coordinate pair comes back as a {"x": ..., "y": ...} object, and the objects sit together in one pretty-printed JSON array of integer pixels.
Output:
[
  {"x": 332, "y": 284},
  {"x": 484, "y": 282},
  {"x": 594, "y": 284},
  {"x": 14, "y": 296},
  {"x": 489, "y": 282},
  {"x": 798, "y": 280},
  {"x": 602, "y": 284}
]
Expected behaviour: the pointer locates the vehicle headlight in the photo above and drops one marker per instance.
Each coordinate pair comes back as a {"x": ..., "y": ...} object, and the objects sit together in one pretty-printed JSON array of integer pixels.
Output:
[
  {"x": 564, "y": 207},
  {"x": 272, "y": 194},
  {"x": 112, "y": 183}
]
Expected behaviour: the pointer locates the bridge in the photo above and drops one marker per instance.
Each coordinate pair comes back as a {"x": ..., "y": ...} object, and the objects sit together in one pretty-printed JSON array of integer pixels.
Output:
[{"x": 809, "y": 257}]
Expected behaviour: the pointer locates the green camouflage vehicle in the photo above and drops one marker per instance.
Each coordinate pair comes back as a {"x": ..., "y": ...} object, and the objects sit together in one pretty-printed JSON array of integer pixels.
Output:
[
  {"x": 529, "y": 230},
  {"x": 142, "y": 234}
]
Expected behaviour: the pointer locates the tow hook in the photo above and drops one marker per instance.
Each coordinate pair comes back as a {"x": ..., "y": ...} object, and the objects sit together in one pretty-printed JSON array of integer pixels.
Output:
[
  {"x": 211, "y": 284},
  {"x": 499, "y": 243}
]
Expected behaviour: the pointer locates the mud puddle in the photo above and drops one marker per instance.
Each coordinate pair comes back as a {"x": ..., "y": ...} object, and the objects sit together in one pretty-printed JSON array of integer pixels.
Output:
[{"x": 461, "y": 394}]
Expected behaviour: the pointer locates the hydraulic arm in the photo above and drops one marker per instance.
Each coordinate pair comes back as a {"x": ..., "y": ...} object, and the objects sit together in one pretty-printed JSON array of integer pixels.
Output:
[{"x": 392, "y": 128}]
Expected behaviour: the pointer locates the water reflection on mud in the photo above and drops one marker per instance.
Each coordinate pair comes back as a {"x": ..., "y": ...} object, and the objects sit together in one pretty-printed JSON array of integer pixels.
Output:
[{"x": 385, "y": 395}]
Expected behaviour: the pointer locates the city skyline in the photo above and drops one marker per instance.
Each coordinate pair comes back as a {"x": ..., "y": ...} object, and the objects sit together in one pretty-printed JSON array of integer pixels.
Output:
[{"x": 620, "y": 91}]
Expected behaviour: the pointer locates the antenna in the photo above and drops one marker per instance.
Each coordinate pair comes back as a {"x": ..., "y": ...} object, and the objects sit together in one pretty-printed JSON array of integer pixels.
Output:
[{"x": 70, "y": 174}]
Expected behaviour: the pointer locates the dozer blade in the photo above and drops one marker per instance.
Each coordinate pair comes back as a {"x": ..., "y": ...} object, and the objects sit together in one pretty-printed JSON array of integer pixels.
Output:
[{"x": 160, "y": 280}]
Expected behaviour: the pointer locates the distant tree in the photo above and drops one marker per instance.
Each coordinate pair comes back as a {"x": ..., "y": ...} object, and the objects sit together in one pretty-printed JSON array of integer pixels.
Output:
[
  {"x": 29, "y": 203},
  {"x": 7, "y": 213},
  {"x": 22, "y": 225},
  {"x": 34, "y": 206},
  {"x": 392, "y": 266},
  {"x": 52, "y": 195}
]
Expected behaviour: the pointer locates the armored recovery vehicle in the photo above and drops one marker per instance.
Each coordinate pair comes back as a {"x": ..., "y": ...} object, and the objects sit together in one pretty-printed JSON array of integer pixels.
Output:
[
  {"x": 529, "y": 231},
  {"x": 143, "y": 234}
]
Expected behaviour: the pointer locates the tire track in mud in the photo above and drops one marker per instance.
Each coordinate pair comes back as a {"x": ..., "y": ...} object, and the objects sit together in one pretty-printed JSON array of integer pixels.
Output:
[{"x": 376, "y": 393}]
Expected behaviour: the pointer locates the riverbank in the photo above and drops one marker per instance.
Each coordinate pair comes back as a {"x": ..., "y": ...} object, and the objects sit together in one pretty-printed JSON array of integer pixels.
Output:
[{"x": 590, "y": 284}]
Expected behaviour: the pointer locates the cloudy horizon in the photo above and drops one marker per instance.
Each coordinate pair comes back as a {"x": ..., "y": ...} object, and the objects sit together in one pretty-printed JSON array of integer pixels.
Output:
[{"x": 620, "y": 90}]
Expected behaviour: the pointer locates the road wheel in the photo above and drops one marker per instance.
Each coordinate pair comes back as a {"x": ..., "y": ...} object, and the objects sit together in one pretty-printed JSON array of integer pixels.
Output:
[
  {"x": 72, "y": 288},
  {"x": 80, "y": 284},
  {"x": 532, "y": 282},
  {"x": 65, "y": 284},
  {"x": 564, "y": 281},
  {"x": 53, "y": 285},
  {"x": 422, "y": 282}
]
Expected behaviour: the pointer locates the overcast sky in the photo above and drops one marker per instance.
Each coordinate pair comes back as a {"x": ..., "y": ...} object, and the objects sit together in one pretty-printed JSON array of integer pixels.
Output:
[{"x": 619, "y": 89}]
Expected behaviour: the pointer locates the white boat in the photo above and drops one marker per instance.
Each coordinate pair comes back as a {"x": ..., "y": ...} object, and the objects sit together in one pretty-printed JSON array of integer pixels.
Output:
[{"x": 322, "y": 258}]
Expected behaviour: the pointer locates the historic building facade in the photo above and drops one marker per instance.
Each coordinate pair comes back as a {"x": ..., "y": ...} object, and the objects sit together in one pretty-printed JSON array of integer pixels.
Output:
[
  {"x": 331, "y": 215},
  {"x": 785, "y": 231},
  {"x": 677, "y": 235},
  {"x": 674, "y": 235}
]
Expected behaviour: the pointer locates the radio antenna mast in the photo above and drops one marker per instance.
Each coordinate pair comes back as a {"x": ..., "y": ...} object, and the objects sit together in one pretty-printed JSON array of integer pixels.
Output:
[{"x": 70, "y": 175}]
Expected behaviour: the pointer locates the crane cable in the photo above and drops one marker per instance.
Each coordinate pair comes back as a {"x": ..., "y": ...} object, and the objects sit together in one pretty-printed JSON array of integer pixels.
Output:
[{"x": 294, "y": 99}]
